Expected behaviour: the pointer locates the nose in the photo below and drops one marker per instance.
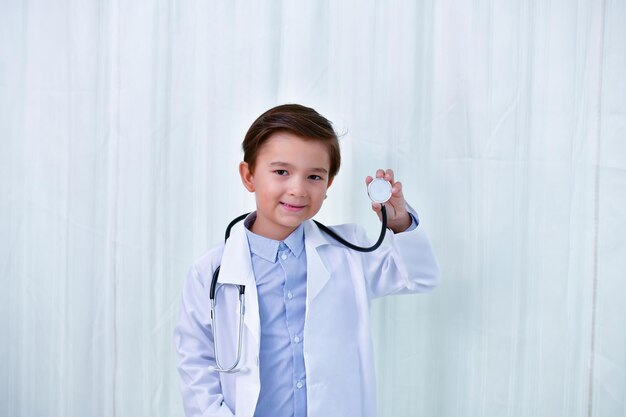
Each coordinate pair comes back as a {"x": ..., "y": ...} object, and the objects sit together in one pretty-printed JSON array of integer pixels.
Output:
[{"x": 297, "y": 187}]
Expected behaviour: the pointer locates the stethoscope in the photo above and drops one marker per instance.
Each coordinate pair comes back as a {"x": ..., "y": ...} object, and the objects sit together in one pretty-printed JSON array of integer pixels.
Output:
[{"x": 379, "y": 191}]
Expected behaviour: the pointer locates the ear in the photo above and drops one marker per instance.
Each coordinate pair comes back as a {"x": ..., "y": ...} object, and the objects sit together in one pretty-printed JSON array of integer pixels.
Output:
[
  {"x": 247, "y": 178},
  {"x": 330, "y": 182}
]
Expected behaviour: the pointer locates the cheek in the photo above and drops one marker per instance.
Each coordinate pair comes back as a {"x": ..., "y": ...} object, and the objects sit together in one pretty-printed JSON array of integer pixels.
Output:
[
  {"x": 320, "y": 193},
  {"x": 271, "y": 191}
]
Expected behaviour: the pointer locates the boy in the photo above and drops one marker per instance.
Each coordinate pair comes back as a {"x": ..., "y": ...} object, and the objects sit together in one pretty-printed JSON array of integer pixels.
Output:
[{"x": 306, "y": 346}]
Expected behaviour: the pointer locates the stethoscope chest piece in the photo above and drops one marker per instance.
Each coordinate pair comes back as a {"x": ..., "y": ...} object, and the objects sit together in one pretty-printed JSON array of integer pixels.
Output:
[{"x": 379, "y": 190}]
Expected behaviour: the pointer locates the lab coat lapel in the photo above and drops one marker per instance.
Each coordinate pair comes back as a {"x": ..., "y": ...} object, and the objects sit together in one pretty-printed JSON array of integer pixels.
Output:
[
  {"x": 317, "y": 275},
  {"x": 236, "y": 268}
]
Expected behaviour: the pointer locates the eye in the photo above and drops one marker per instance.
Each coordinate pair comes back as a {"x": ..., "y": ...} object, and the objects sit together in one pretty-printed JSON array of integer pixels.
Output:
[
  {"x": 315, "y": 177},
  {"x": 281, "y": 172}
]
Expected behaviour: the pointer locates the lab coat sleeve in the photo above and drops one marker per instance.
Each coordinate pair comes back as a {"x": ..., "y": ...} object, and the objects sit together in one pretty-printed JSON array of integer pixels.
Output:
[
  {"x": 200, "y": 388},
  {"x": 405, "y": 264}
]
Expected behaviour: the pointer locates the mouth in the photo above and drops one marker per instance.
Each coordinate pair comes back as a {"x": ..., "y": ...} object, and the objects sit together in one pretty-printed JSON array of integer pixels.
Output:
[{"x": 291, "y": 207}]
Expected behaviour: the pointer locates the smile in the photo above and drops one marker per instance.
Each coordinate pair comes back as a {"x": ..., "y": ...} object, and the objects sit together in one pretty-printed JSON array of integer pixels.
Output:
[{"x": 291, "y": 207}]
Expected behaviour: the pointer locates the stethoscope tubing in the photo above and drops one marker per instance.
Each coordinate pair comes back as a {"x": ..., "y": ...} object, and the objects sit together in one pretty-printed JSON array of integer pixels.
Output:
[
  {"x": 324, "y": 228},
  {"x": 218, "y": 366},
  {"x": 352, "y": 246},
  {"x": 242, "y": 288}
]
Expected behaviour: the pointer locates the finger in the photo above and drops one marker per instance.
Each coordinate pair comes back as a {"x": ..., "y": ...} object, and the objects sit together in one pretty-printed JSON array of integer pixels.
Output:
[
  {"x": 380, "y": 173},
  {"x": 397, "y": 188},
  {"x": 376, "y": 207},
  {"x": 368, "y": 179},
  {"x": 389, "y": 175}
]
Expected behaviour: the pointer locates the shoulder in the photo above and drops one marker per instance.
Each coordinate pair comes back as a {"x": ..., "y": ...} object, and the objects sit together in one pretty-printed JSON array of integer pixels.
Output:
[{"x": 347, "y": 228}]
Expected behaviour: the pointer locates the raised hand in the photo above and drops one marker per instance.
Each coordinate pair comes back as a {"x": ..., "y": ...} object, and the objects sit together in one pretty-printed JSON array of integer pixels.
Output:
[{"x": 398, "y": 218}]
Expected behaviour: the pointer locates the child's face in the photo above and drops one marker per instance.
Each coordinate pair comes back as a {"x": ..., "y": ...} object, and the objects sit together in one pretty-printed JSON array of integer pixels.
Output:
[{"x": 290, "y": 180}]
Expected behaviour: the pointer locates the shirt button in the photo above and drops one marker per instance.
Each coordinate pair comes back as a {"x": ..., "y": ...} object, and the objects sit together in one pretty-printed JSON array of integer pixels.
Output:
[
  {"x": 283, "y": 256},
  {"x": 297, "y": 339},
  {"x": 289, "y": 295},
  {"x": 299, "y": 384}
]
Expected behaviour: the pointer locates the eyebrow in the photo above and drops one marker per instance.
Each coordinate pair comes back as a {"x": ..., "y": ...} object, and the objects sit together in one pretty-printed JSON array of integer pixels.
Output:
[{"x": 288, "y": 165}]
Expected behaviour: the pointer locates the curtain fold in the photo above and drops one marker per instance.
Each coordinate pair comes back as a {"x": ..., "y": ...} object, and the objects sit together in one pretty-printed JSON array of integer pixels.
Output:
[{"x": 120, "y": 133}]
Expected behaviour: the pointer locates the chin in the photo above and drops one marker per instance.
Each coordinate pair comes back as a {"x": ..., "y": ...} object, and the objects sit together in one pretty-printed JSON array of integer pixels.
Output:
[{"x": 294, "y": 222}]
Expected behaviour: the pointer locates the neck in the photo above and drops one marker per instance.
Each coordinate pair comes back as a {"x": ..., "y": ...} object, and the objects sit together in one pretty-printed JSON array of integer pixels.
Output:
[{"x": 279, "y": 233}]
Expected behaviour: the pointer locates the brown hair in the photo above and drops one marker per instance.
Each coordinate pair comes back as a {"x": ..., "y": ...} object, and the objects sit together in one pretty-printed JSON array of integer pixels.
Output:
[{"x": 300, "y": 120}]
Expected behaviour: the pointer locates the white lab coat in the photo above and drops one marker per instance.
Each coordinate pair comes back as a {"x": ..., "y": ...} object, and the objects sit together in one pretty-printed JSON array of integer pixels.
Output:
[{"x": 338, "y": 351}]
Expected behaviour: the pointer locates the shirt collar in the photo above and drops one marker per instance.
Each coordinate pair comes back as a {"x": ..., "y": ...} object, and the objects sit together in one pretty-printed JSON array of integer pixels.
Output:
[{"x": 268, "y": 248}]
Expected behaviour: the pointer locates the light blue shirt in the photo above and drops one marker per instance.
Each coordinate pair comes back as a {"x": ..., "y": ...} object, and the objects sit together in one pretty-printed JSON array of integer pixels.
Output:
[{"x": 280, "y": 273}]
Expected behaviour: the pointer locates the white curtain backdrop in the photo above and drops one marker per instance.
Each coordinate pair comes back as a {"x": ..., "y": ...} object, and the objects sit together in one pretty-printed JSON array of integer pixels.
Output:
[{"x": 120, "y": 132}]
